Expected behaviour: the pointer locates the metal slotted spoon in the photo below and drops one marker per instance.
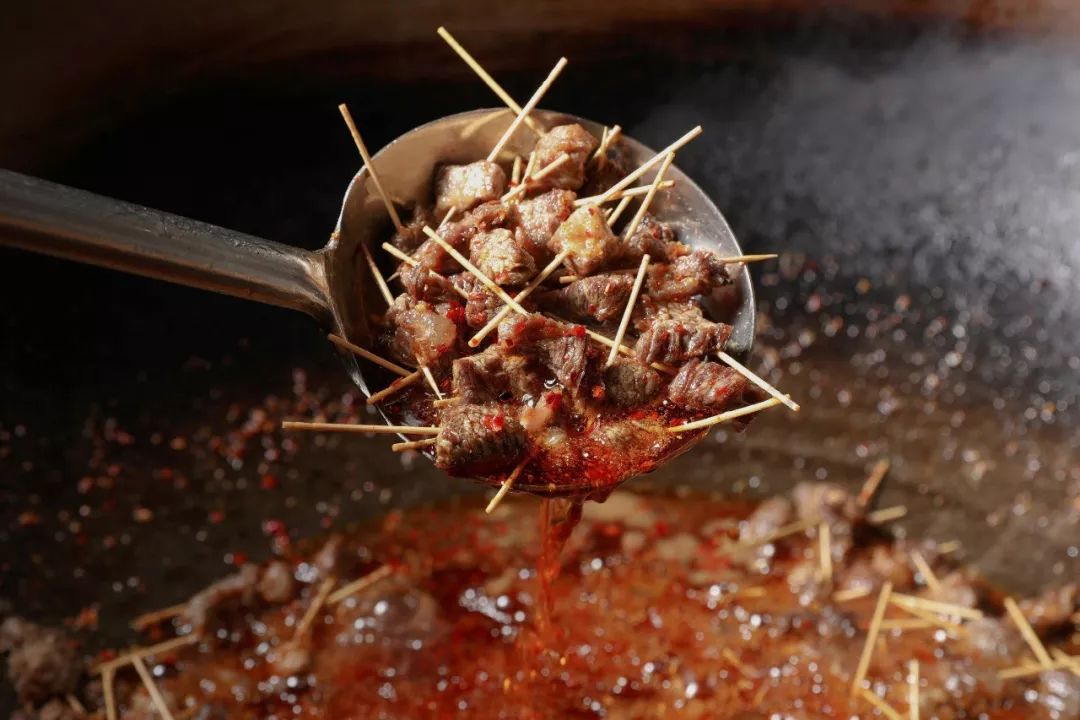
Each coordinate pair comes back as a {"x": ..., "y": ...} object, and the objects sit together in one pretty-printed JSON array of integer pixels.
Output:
[{"x": 334, "y": 284}]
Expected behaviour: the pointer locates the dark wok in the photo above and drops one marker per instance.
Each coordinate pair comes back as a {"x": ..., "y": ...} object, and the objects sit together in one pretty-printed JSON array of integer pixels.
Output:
[{"x": 920, "y": 173}]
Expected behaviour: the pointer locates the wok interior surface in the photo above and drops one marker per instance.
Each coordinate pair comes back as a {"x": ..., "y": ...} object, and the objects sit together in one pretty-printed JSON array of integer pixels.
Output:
[{"x": 922, "y": 182}]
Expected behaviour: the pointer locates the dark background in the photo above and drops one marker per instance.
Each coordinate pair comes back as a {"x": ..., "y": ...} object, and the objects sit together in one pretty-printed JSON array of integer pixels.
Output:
[{"x": 919, "y": 166}]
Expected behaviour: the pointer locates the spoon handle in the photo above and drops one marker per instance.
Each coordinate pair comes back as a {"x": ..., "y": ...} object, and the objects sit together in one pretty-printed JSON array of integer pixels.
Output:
[{"x": 47, "y": 218}]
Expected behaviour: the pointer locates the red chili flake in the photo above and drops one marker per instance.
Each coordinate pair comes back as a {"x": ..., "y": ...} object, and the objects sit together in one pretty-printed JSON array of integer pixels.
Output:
[
  {"x": 554, "y": 400},
  {"x": 239, "y": 559},
  {"x": 274, "y": 527},
  {"x": 216, "y": 516},
  {"x": 597, "y": 392},
  {"x": 578, "y": 331},
  {"x": 662, "y": 528},
  {"x": 268, "y": 482},
  {"x": 456, "y": 312},
  {"x": 494, "y": 423}
]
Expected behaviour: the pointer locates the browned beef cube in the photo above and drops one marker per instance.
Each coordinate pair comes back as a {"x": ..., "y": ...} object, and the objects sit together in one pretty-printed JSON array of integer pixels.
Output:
[
  {"x": 466, "y": 186},
  {"x": 536, "y": 220},
  {"x": 598, "y": 298},
  {"x": 422, "y": 284},
  {"x": 654, "y": 238},
  {"x": 674, "y": 342},
  {"x": 575, "y": 141},
  {"x": 588, "y": 238},
  {"x": 607, "y": 169},
  {"x": 412, "y": 236},
  {"x": 694, "y": 274},
  {"x": 479, "y": 440},
  {"x": 702, "y": 386},
  {"x": 629, "y": 382},
  {"x": 493, "y": 376},
  {"x": 499, "y": 256},
  {"x": 458, "y": 234},
  {"x": 562, "y": 349},
  {"x": 480, "y": 304},
  {"x": 420, "y": 333}
]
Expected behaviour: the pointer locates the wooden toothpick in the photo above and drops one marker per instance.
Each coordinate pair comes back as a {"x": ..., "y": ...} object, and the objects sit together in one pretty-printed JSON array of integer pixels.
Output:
[
  {"x": 390, "y": 209},
  {"x": 345, "y": 344},
  {"x": 644, "y": 207},
  {"x": 524, "y": 112},
  {"x": 725, "y": 416},
  {"x": 644, "y": 168},
  {"x": 506, "y": 485},
  {"x": 625, "y": 322},
  {"x": 488, "y": 80},
  {"x": 757, "y": 380},
  {"x": 151, "y": 688},
  {"x": 413, "y": 445},
  {"x": 359, "y": 584},
  {"x": 354, "y": 428},
  {"x": 395, "y": 387}
]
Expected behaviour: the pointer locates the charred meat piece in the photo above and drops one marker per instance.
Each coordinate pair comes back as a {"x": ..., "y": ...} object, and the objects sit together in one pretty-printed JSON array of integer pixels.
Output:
[
  {"x": 654, "y": 238},
  {"x": 466, "y": 186},
  {"x": 411, "y": 236},
  {"x": 702, "y": 386},
  {"x": 575, "y": 141},
  {"x": 593, "y": 299},
  {"x": 420, "y": 333},
  {"x": 674, "y": 342},
  {"x": 209, "y": 606},
  {"x": 499, "y": 256},
  {"x": 629, "y": 382},
  {"x": 535, "y": 220},
  {"x": 492, "y": 376},
  {"x": 587, "y": 237},
  {"x": 423, "y": 284},
  {"x": 561, "y": 348},
  {"x": 42, "y": 662},
  {"x": 478, "y": 440},
  {"x": 694, "y": 274}
]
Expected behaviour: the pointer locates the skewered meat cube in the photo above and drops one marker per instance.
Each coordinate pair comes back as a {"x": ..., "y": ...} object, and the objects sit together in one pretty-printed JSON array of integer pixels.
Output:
[
  {"x": 418, "y": 332},
  {"x": 536, "y": 220},
  {"x": 694, "y": 274},
  {"x": 629, "y": 382},
  {"x": 673, "y": 342},
  {"x": 598, "y": 298},
  {"x": 586, "y": 235},
  {"x": 480, "y": 304},
  {"x": 654, "y": 238},
  {"x": 492, "y": 376},
  {"x": 561, "y": 348},
  {"x": 478, "y": 440},
  {"x": 466, "y": 186},
  {"x": 411, "y": 236},
  {"x": 575, "y": 141},
  {"x": 607, "y": 169},
  {"x": 457, "y": 234},
  {"x": 706, "y": 386},
  {"x": 423, "y": 284},
  {"x": 499, "y": 256}
]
